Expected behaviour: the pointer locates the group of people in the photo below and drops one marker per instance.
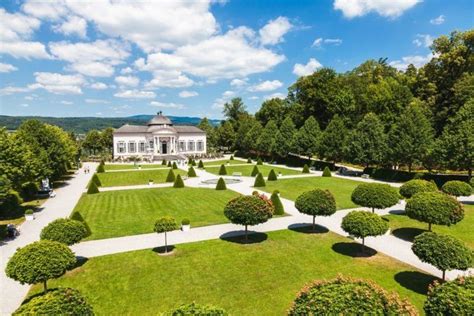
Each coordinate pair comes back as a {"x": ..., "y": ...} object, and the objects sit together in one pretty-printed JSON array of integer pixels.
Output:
[{"x": 87, "y": 169}]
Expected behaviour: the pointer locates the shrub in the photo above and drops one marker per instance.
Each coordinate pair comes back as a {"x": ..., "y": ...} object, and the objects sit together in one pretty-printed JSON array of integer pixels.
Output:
[
  {"x": 29, "y": 212},
  {"x": 60, "y": 301},
  {"x": 163, "y": 162},
  {"x": 418, "y": 176},
  {"x": 175, "y": 166},
  {"x": 375, "y": 195},
  {"x": 434, "y": 208},
  {"x": 39, "y": 262},
  {"x": 185, "y": 221},
  {"x": 278, "y": 208},
  {"x": 255, "y": 171},
  {"x": 191, "y": 172},
  {"x": 190, "y": 161},
  {"x": 362, "y": 224},
  {"x": 343, "y": 295},
  {"x": 64, "y": 230},
  {"x": 231, "y": 157},
  {"x": 165, "y": 224},
  {"x": 170, "y": 177},
  {"x": 222, "y": 171},
  {"x": 259, "y": 181},
  {"x": 201, "y": 164},
  {"x": 410, "y": 188},
  {"x": 259, "y": 161},
  {"x": 316, "y": 203},
  {"x": 193, "y": 163},
  {"x": 169, "y": 164},
  {"x": 451, "y": 298},
  {"x": 472, "y": 182},
  {"x": 272, "y": 175},
  {"x": 29, "y": 190},
  {"x": 198, "y": 310},
  {"x": 100, "y": 168},
  {"x": 92, "y": 189},
  {"x": 248, "y": 210},
  {"x": 327, "y": 172},
  {"x": 457, "y": 188},
  {"x": 442, "y": 251},
  {"x": 221, "y": 184},
  {"x": 11, "y": 201},
  {"x": 78, "y": 217},
  {"x": 249, "y": 160},
  {"x": 178, "y": 183},
  {"x": 96, "y": 180},
  {"x": 305, "y": 169}
]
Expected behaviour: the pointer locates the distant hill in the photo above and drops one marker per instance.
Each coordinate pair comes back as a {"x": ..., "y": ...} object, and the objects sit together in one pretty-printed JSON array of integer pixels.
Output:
[{"x": 81, "y": 125}]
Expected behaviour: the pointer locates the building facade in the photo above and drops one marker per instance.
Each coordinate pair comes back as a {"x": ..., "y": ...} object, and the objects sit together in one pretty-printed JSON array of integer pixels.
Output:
[{"x": 158, "y": 139}]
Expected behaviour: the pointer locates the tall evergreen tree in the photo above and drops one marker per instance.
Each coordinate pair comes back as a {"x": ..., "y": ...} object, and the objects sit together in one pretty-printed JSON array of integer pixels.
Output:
[
  {"x": 266, "y": 140},
  {"x": 307, "y": 138},
  {"x": 226, "y": 135},
  {"x": 285, "y": 137},
  {"x": 251, "y": 138},
  {"x": 333, "y": 140}
]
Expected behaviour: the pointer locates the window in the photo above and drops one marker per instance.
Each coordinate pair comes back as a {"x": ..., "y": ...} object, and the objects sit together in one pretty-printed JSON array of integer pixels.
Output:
[
  {"x": 132, "y": 147},
  {"x": 200, "y": 145},
  {"x": 182, "y": 145},
  {"x": 191, "y": 145},
  {"x": 141, "y": 147},
  {"x": 121, "y": 147},
  {"x": 150, "y": 144}
]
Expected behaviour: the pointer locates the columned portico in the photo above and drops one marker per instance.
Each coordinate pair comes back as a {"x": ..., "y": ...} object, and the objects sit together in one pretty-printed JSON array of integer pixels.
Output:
[{"x": 165, "y": 145}]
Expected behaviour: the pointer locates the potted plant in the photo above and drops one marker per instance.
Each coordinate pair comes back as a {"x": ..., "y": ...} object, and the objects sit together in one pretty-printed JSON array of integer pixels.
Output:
[
  {"x": 185, "y": 225},
  {"x": 29, "y": 215},
  {"x": 150, "y": 182},
  {"x": 139, "y": 167}
]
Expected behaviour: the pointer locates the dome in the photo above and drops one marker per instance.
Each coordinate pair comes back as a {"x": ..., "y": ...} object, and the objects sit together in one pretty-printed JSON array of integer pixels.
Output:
[{"x": 159, "y": 119}]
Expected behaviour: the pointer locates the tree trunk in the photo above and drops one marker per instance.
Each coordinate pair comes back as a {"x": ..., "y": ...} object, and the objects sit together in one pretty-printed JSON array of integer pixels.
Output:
[
  {"x": 409, "y": 167},
  {"x": 429, "y": 226},
  {"x": 363, "y": 245},
  {"x": 166, "y": 243},
  {"x": 45, "y": 286},
  {"x": 246, "y": 234},
  {"x": 373, "y": 209},
  {"x": 444, "y": 275},
  {"x": 469, "y": 174},
  {"x": 314, "y": 223}
]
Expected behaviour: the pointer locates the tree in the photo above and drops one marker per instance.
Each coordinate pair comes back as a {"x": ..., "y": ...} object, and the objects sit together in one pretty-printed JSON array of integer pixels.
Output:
[
  {"x": 434, "y": 208},
  {"x": 222, "y": 170},
  {"x": 362, "y": 224},
  {"x": 39, "y": 262},
  {"x": 175, "y": 166},
  {"x": 95, "y": 179},
  {"x": 101, "y": 168},
  {"x": 191, "y": 172},
  {"x": 332, "y": 145},
  {"x": 200, "y": 164},
  {"x": 375, "y": 195},
  {"x": 344, "y": 295},
  {"x": 455, "y": 297},
  {"x": 234, "y": 109},
  {"x": 170, "y": 177},
  {"x": 248, "y": 210},
  {"x": 272, "y": 175},
  {"x": 327, "y": 172},
  {"x": 164, "y": 225},
  {"x": 259, "y": 181},
  {"x": 107, "y": 139},
  {"x": 307, "y": 138},
  {"x": 284, "y": 138},
  {"x": 195, "y": 309},
  {"x": 245, "y": 124},
  {"x": 368, "y": 142},
  {"x": 211, "y": 139},
  {"x": 266, "y": 141},
  {"x": 272, "y": 110},
  {"x": 93, "y": 142},
  {"x": 60, "y": 301},
  {"x": 255, "y": 171},
  {"x": 277, "y": 205},
  {"x": 92, "y": 189},
  {"x": 316, "y": 203},
  {"x": 5, "y": 188},
  {"x": 305, "y": 169},
  {"x": 178, "y": 183},
  {"x": 457, "y": 188},
  {"x": 251, "y": 137},
  {"x": 226, "y": 135},
  {"x": 442, "y": 251},
  {"x": 410, "y": 188},
  {"x": 64, "y": 230},
  {"x": 221, "y": 184}
]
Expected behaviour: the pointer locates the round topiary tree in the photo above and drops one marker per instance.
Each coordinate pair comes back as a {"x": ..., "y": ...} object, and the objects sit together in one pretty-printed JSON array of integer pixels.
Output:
[
  {"x": 434, "y": 208},
  {"x": 221, "y": 184},
  {"x": 278, "y": 208},
  {"x": 222, "y": 171},
  {"x": 305, "y": 169},
  {"x": 95, "y": 179},
  {"x": 163, "y": 162},
  {"x": 255, "y": 171},
  {"x": 442, "y": 251},
  {"x": 39, "y": 262},
  {"x": 60, "y": 301},
  {"x": 174, "y": 166},
  {"x": 362, "y": 224},
  {"x": 192, "y": 172},
  {"x": 64, "y": 230},
  {"x": 316, "y": 203},
  {"x": 259, "y": 161},
  {"x": 165, "y": 224},
  {"x": 198, "y": 310},
  {"x": 457, "y": 188},
  {"x": 200, "y": 164},
  {"x": 327, "y": 172},
  {"x": 248, "y": 210},
  {"x": 410, "y": 188},
  {"x": 259, "y": 181},
  {"x": 170, "y": 177},
  {"x": 178, "y": 183},
  {"x": 92, "y": 189},
  {"x": 375, "y": 195},
  {"x": 344, "y": 295},
  {"x": 272, "y": 175},
  {"x": 451, "y": 298}
]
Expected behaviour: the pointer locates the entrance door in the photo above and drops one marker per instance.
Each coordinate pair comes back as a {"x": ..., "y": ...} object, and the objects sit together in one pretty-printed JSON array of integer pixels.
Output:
[{"x": 164, "y": 148}]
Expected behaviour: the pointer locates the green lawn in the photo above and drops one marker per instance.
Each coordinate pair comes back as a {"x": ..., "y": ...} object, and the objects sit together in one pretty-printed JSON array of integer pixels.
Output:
[
  {"x": 130, "y": 212},
  {"x": 256, "y": 279},
  {"x": 247, "y": 170},
  {"x": 292, "y": 188},
  {"x": 223, "y": 161},
  {"x": 407, "y": 228},
  {"x": 109, "y": 167},
  {"x": 120, "y": 178}
]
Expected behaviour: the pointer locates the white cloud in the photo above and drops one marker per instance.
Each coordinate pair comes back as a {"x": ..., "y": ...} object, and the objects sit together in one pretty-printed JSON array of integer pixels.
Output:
[
  {"x": 226, "y": 96},
  {"x": 266, "y": 86},
  {"x": 25, "y": 105},
  {"x": 309, "y": 68},
  {"x": 45, "y": 10},
  {"x": 254, "y": 97},
  {"x": 272, "y": 33},
  {"x": 22, "y": 49},
  {"x": 66, "y": 102},
  {"x": 417, "y": 61},
  {"x": 386, "y": 8},
  {"x": 238, "y": 82},
  {"x": 97, "y": 101},
  {"x": 169, "y": 79},
  {"x": 74, "y": 25},
  {"x": 278, "y": 95},
  {"x": 135, "y": 94},
  {"x": 423, "y": 40},
  {"x": 438, "y": 20},
  {"x": 7, "y": 68},
  {"x": 188, "y": 94},
  {"x": 126, "y": 71},
  {"x": 169, "y": 105},
  {"x": 13, "y": 90},
  {"x": 318, "y": 43},
  {"x": 98, "y": 86},
  {"x": 58, "y": 83},
  {"x": 130, "y": 81}
]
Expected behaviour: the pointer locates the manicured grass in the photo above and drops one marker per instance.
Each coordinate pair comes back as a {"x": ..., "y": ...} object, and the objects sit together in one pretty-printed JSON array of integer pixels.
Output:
[
  {"x": 131, "y": 166},
  {"x": 406, "y": 228},
  {"x": 292, "y": 188},
  {"x": 222, "y": 162},
  {"x": 112, "y": 179},
  {"x": 252, "y": 279},
  {"x": 130, "y": 212},
  {"x": 247, "y": 170}
]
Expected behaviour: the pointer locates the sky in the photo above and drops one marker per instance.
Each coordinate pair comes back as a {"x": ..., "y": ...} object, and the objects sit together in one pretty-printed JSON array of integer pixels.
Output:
[{"x": 187, "y": 58}]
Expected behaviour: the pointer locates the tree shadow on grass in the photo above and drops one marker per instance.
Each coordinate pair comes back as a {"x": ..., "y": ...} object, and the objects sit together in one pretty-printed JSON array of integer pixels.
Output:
[
  {"x": 238, "y": 237},
  {"x": 407, "y": 233},
  {"x": 161, "y": 250},
  {"x": 467, "y": 202},
  {"x": 415, "y": 281},
  {"x": 80, "y": 261},
  {"x": 306, "y": 228},
  {"x": 397, "y": 212},
  {"x": 353, "y": 249}
]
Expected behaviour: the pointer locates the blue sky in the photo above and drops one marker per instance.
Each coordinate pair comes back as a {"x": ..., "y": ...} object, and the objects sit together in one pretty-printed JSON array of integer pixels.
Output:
[{"x": 108, "y": 58}]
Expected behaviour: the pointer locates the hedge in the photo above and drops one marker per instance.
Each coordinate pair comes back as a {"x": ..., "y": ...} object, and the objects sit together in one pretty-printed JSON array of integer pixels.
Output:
[
  {"x": 178, "y": 183},
  {"x": 191, "y": 172},
  {"x": 457, "y": 188},
  {"x": 255, "y": 171},
  {"x": 64, "y": 230},
  {"x": 29, "y": 190},
  {"x": 272, "y": 176},
  {"x": 249, "y": 160},
  {"x": 259, "y": 181},
  {"x": 305, "y": 169},
  {"x": 326, "y": 172},
  {"x": 375, "y": 195},
  {"x": 170, "y": 177},
  {"x": 198, "y": 310},
  {"x": 222, "y": 171},
  {"x": 100, "y": 168},
  {"x": 169, "y": 164},
  {"x": 92, "y": 189},
  {"x": 221, "y": 184},
  {"x": 410, "y": 188},
  {"x": 278, "y": 208},
  {"x": 231, "y": 157},
  {"x": 455, "y": 297}
]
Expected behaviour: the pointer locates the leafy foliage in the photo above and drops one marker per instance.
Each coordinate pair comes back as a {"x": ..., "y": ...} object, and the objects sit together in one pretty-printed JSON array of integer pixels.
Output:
[
  {"x": 306, "y": 140},
  {"x": 457, "y": 188},
  {"x": 375, "y": 195},
  {"x": 92, "y": 189},
  {"x": 410, "y": 188},
  {"x": 175, "y": 166},
  {"x": 178, "y": 183},
  {"x": 362, "y": 224},
  {"x": 200, "y": 164},
  {"x": 66, "y": 231},
  {"x": 333, "y": 141},
  {"x": 326, "y": 172},
  {"x": 222, "y": 171},
  {"x": 191, "y": 172},
  {"x": 316, "y": 203},
  {"x": 272, "y": 175},
  {"x": 305, "y": 169},
  {"x": 165, "y": 224},
  {"x": 101, "y": 168},
  {"x": 96, "y": 180},
  {"x": 221, "y": 184},
  {"x": 455, "y": 297},
  {"x": 198, "y": 310},
  {"x": 255, "y": 171},
  {"x": 259, "y": 161},
  {"x": 163, "y": 162},
  {"x": 277, "y": 205},
  {"x": 170, "y": 177},
  {"x": 259, "y": 181},
  {"x": 248, "y": 210}
]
